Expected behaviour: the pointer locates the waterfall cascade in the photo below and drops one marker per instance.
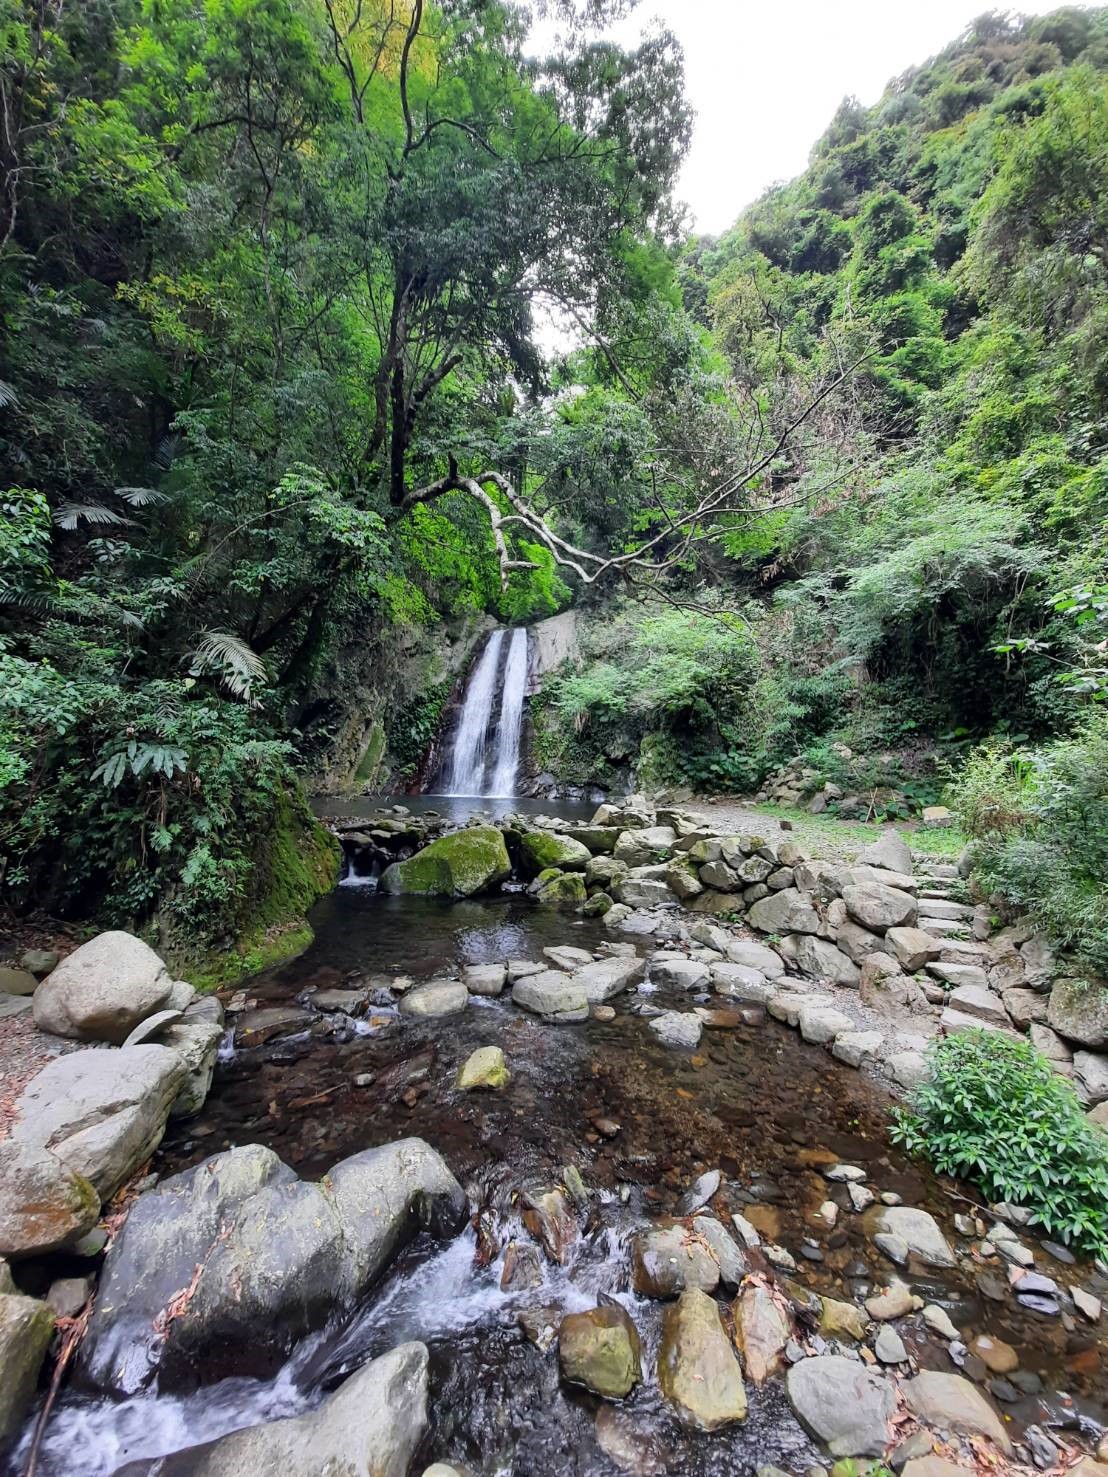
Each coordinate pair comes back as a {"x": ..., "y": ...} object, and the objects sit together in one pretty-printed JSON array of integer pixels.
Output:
[{"x": 484, "y": 758}]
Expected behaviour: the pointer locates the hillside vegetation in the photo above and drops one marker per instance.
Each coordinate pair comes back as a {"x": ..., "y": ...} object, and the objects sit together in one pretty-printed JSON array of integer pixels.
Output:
[{"x": 271, "y": 406}]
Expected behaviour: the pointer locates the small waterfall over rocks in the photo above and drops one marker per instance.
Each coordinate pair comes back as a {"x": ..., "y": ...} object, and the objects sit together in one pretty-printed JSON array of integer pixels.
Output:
[{"x": 484, "y": 758}]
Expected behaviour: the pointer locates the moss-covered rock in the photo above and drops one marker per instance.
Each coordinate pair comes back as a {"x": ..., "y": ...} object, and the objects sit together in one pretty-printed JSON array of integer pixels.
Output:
[
  {"x": 565, "y": 890},
  {"x": 597, "y": 905},
  {"x": 458, "y": 865},
  {"x": 539, "y": 850}
]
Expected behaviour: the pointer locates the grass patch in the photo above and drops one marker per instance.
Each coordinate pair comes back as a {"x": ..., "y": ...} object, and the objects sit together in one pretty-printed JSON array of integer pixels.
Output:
[{"x": 829, "y": 836}]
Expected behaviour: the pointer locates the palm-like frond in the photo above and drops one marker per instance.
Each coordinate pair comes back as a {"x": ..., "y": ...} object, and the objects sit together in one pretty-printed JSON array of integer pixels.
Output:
[
  {"x": 8, "y": 395},
  {"x": 141, "y": 497},
  {"x": 69, "y": 515},
  {"x": 240, "y": 668}
]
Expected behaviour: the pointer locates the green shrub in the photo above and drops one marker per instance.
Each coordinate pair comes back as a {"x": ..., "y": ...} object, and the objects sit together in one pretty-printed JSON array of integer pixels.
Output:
[{"x": 994, "y": 1112}]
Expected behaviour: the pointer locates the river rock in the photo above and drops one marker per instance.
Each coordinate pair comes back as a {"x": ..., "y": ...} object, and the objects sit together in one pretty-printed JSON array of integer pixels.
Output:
[
  {"x": 600, "y": 1349},
  {"x": 891, "y": 852},
  {"x": 44, "y": 1204},
  {"x": 195, "y": 1038},
  {"x": 682, "y": 883},
  {"x": 16, "y": 981},
  {"x": 268, "y": 1023},
  {"x": 440, "y": 997},
  {"x": 951, "y": 1403},
  {"x": 640, "y": 847},
  {"x": 25, "y": 1329},
  {"x": 485, "y": 1067},
  {"x": 102, "y": 1113},
  {"x": 742, "y": 982},
  {"x": 878, "y": 908},
  {"x": 604, "y": 978},
  {"x": 917, "y": 1229},
  {"x": 762, "y": 1329},
  {"x": 541, "y": 849},
  {"x": 459, "y": 865},
  {"x": 604, "y": 871},
  {"x": 895, "y": 1302},
  {"x": 842, "y": 1404},
  {"x": 731, "y": 1259},
  {"x": 753, "y": 955},
  {"x": 489, "y": 979},
  {"x": 666, "y": 1260},
  {"x": 840, "y": 1320},
  {"x": 552, "y": 995},
  {"x": 912, "y": 947},
  {"x": 889, "y": 1347},
  {"x": 697, "y": 1368},
  {"x": 266, "y": 1258},
  {"x": 562, "y": 890},
  {"x": 103, "y": 990},
  {"x": 677, "y": 1028},
  {"x": 642, "y": 892},
  {"x": 547, "y": 1216},
  {"x": 856, "y": 1047},
  {"x": 680, "y": 974},
  {"x": 821, "y": 960},
  {"x": 1078, "y": 1010},
  {"x": 787, "y": 911},
  {"x": 372, "y": 1424},
  {"x": 819, "y": 1024}
]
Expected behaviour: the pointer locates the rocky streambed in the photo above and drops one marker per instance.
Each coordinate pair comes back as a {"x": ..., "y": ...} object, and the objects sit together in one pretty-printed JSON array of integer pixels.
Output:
[{"x": 492, "y": 1184}]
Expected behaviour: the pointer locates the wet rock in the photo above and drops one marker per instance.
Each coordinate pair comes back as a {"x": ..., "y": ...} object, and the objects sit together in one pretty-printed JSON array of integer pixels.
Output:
[
  {"x": 842, "y": 1404},
  {"x": 547, "y": 1216},
  {"x": 485, "y": 1067},
  {"x": 25, "y": 1329},
  {"x": 44, "y": 1204},
  {"x": 604, "y": 978},
  {"x": 440, "y": 997},
  {"x": 895, "y": 1302},
  {"x": 68, "y": 1295},
  {"x": 879, "y": 908},
  {"x": 677, "y": 1028},
  {"x": 699, "y": 1193},
  {"x": 697, "y": 1368},
  {"x": 265, "y": 1258},
  {"x": 103, "y": 990},
  {"x": 103, "y": 1113},
  {"x": 952, "y": 1403},
  {"x": 459, "y": 865},
  {"x": 600, "y": 1349},
  {"x": 665, "y": 1260},
  {"x": 540, "y": 1325},
  {"x": 632, "y": 1451},
  {"x": 913, "y": 947},
  {"x": 997, "y": 1356},
  {"x": 935, "y": 1466},
  {"x": 889, "y": 1347},
  {"x": 762, "y": 1331},
  {"x": 489, "y": 979},
  {"x": 195, "y": 1038},
  {"x": 1078, "y": 1010},
  {"x": 337, "y": 1002},
  {"x": 372, "y": 1423},
  {"x": 732, "y": 1262},
  {"x": 555, "y": 997},
  {"x": 938, "y": 1320},
  {"x": 270, "y": 1023},
  {"x": 917, "y": 1229},
  {"x": 787, "y": 911},
  {"x": 522, "y": 1268},
  {"x": 520, "y": 969},
  {"x": 841, "y": 1320}
]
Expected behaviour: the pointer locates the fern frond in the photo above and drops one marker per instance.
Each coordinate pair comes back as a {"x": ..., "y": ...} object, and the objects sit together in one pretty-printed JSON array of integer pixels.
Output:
[
  {"x": 69, "y": 515},
  {"x": 8, "y": 395},
  {"x": 167, "y": 450},
  {"x": 141, "y": 497},
  {"x": 240, "y": 668}
]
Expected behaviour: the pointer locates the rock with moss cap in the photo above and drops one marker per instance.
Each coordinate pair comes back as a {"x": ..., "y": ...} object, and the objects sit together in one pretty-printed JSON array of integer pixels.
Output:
[
  {"x": 25, "y": 1329},
  {"x": 600, "y": 1349},
  {"x": 485, "y": 1067},
  {"x": 459, "y": 865},
  {"x": 541, "y": 849},
  {"x": 565, "y": 890}
]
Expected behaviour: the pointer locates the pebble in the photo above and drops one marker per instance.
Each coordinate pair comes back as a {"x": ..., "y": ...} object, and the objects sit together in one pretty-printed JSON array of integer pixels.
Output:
[
  {"x": 1088, "y": 1306},
  {"x": 965, "y": 1225},
  {"x": 844, "y": 1174},
  {"x": 890, "y": 1197},
  {"x": 747, "y": 1233},
  {"x": 1044, "y": 1453},
  {"x": 1003, "y": 1390},
  {"x": 889, "y": 1347},
  {"x": 777, "y": 1256},
  {"x": 1035, "y": 1303},
  {"x": 794, "y": 1352},
  {"x": 938, "y": 1321},
  {"x": 828, "y": 1213},
  {"x": 364, "y": 1079},
  {"x": 861, "y": 1197}
]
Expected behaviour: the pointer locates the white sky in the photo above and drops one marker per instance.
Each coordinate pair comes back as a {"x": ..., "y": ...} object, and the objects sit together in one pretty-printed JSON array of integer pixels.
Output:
[{"x": 766, "y": 78}]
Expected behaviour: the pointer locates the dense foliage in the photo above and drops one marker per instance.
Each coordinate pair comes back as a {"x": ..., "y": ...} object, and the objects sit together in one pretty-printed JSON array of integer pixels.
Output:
[{"x": 994, "y": 1111}]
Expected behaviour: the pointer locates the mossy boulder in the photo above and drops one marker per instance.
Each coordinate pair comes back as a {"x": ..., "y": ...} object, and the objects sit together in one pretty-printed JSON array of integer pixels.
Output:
[
  {"x": 597, "y": 905},
  {"x": 458, "y": 865},
  {"x": 540, "y": 850},
  {"x": 565, "y": 890}
]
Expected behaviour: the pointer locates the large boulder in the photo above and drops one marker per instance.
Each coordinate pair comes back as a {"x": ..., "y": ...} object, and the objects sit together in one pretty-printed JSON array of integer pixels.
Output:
[
  {"x": 842, "y": 1404},
  {"x": 787, "y": 911},
  {"x": 370, "y": 1427},
  {"x": 1078, "y": 1010},
  {"x": 458, "y": 865},
  {"x": 541, "y": 849},
  {"x": 600, "y": 1349},
  {"x": 44, "y": 1204},
  {"x": 638, "y": 848},
  {"x": 103, "y": 990},
  {"x": 25, "y": 1329},
  {"x": 195, "y": 1038},
  {"x": 439, "y": 997},
  {"x": 103, "y": 1113},
  {"x": 821, "y": 960},
  {"x": 604, "y": 978},
  {"x": 892, "y": 853},
  {"x": 877, "y": 907},
  {"x": 697, "y": 1367},
  {"x": 264, "y": 1256}
]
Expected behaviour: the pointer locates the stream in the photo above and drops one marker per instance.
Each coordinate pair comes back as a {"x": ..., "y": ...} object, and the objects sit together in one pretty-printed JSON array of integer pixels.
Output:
[{"x": 638, "y": 1120}]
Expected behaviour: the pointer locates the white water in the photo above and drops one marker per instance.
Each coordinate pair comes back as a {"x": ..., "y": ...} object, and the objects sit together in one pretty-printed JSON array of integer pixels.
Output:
[
  {"x": 470, "y": 756},
  {"x": 511, "y": 717},
  {"x": 467, "y": 762}
]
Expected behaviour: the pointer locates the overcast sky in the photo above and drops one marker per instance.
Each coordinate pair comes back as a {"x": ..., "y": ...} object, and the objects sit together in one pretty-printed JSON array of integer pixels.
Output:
[{"x": 766, "y": 78}]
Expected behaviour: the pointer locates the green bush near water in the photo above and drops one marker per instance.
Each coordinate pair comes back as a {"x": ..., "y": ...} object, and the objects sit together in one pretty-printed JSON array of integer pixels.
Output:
[{"x": 993, "y": 1112}]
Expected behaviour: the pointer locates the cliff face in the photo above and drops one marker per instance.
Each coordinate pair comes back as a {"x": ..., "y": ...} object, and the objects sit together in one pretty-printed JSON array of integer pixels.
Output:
[{"x": 554, "y": 642}]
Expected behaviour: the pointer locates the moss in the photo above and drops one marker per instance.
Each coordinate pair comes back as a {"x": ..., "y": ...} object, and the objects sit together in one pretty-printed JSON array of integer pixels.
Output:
[
  {"x": 542, "y": 849},
  {"x": 458, "y": 865},
  {"x": 597, "y": 905},
  {"x": 249, "y": 957},
  {"x": 565, "y": 890},
  {"x": 370, "y": 762}
]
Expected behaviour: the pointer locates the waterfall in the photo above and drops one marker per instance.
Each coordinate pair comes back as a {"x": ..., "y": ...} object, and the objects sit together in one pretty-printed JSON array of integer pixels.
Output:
[
  {"x": 470, "y": 754},
  {"x": 511, "y": 716},
  {"x": 467, "y": 762}
]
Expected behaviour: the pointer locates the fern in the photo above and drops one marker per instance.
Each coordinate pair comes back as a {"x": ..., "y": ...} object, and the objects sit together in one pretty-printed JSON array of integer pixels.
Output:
[
  {"x": 163, "y": 759},
  {"x": 8, "y": 396},
  {"x": 141, "y": 497},
  {"x": 240, "y": 669},
  {"x": 69, "y": 515}
]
